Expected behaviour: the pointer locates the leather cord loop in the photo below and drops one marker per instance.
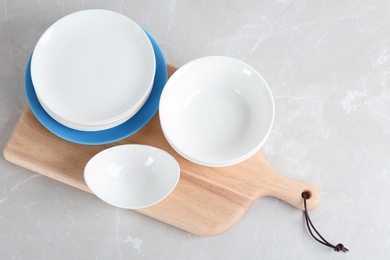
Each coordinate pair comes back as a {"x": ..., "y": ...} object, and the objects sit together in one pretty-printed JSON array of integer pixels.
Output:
[{"x": 339, "y": 247}]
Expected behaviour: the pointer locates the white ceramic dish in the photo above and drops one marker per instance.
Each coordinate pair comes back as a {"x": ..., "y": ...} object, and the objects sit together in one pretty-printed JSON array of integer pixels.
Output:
[
  {"x": 89, "y": 128},
  {"x": 132, "y": 176},
  {"x": 93, "y": 67},
  {"x": 216, "y": 111}
]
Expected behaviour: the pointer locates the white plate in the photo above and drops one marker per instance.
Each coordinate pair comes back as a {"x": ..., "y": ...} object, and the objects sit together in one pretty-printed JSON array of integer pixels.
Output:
[
  {"x": 84, "y": 127},
  {"x": 99, "y": 127},
  {"x": 93, "y": 67},
  {"x": 132, "y": 176},
  {"x": 131, "y": 126},
  {"x": 216, "y": 111}
]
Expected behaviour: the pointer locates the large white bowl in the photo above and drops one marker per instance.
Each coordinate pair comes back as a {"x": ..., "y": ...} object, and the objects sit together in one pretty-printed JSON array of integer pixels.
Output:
[
  {"x": 216, "y": 111},
  {"x": 93, "y": 68},
  {"x": 132, "y": 176}
]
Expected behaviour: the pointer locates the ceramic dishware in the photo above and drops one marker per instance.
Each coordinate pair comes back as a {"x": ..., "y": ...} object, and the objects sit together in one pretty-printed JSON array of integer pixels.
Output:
[
  {"x": 131, "y": 126},
  {"x": 216, "y": 111},
  {"x": 132, "y": 176},
  {"x": 93, "y": 68},
  {"x": 89, "y": 128}
]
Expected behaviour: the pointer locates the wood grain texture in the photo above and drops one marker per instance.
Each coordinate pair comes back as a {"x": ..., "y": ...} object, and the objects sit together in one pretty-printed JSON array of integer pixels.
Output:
[{"x": 207, "y": 201}]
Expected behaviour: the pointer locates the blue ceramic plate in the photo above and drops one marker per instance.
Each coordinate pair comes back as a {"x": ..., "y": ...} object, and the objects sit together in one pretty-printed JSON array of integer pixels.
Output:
[{"x": 131, "y": 126}]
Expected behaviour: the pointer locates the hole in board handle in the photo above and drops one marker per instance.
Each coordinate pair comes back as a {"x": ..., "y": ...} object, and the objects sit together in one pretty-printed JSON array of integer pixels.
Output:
[{"x": 306, "y": 194}]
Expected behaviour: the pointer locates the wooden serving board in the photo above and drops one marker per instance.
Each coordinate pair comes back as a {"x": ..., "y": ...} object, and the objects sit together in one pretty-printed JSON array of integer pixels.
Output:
[{"x": 207, "y": 201}]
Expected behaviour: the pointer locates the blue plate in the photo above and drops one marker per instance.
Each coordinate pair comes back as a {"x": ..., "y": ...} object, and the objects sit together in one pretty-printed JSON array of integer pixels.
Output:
[{"x": 131, "y": 126}]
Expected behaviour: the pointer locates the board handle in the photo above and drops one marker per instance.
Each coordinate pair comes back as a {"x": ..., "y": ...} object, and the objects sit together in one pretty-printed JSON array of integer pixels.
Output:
[{"x": 290, "y": 191}]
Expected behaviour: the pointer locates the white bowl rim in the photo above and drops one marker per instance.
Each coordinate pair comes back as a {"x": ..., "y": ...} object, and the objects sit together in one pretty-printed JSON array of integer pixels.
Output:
[{"x": 212, "y": 163}]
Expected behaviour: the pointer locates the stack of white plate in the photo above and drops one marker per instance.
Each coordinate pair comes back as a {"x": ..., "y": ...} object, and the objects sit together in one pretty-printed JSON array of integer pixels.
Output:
[{"x": 93, "y": 70}]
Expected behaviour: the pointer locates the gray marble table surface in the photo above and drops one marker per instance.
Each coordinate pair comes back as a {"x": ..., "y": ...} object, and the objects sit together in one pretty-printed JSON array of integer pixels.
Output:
[{"x": 328, "y": 66}]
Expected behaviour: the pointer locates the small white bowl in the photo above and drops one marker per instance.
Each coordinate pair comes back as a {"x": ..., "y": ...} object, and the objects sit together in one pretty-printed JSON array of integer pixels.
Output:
[
  {"x": 93, "y": 68},
  {"x": 132, "y": 176},
  {"x": 216, "y": 111}
]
